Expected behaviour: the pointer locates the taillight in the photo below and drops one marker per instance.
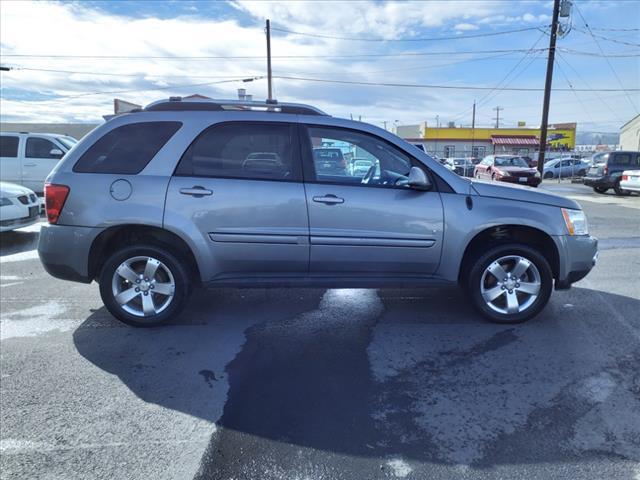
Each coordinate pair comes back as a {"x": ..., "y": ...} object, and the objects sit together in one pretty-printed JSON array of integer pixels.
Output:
[
  {"x": 54, "y": 198},
  {"x": 605, "y": 170},
  {"x": 625, "y": 177}
]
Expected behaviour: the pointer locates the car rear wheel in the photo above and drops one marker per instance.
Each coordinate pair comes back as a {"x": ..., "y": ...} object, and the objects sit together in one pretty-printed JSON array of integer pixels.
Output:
[
  {"x": 144, "y": 286},
  {"x": 619, "y": 190},
  {"x": 600, "y": 189},
  {"x": 510, "y": 283}
]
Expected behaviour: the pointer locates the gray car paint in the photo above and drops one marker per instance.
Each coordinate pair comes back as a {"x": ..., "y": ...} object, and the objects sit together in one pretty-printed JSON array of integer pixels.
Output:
[{"x": 261, "y": 230}]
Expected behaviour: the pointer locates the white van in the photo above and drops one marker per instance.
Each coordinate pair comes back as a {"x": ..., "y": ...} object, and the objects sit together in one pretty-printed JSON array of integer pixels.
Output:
[{"x": 27, "y": 158}]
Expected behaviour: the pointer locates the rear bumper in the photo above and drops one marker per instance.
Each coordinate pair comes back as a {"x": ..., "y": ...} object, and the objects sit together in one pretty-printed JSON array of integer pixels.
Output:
[
  {"x": 603, "y": 182},
  {"x": 578, "y": 255},
  {"x": 64, "y": 251}
]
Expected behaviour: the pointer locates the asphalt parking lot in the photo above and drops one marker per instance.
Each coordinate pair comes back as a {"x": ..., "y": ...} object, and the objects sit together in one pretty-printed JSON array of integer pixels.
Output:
[{"x": 326, "y": 384}]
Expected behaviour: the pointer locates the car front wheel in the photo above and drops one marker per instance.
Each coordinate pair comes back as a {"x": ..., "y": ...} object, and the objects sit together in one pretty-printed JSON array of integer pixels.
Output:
[
  {"x": 510, "y": 283},
  {"x": 144, "y": 286}
]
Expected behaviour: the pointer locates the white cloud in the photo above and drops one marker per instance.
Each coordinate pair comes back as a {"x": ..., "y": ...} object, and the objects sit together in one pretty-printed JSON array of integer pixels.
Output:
[{"x": 463, "y": 27}]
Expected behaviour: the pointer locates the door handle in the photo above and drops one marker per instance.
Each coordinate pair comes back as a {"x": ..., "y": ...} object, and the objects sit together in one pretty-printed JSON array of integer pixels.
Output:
[
  {"x": 196, "y": 191},
  {"x": 329, "y": 199},
  {"x": 29, "y": 164}
]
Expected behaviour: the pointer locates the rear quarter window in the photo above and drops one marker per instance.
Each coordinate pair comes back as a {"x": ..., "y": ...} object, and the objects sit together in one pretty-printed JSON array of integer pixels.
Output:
[{"x": 126, "y": 149}]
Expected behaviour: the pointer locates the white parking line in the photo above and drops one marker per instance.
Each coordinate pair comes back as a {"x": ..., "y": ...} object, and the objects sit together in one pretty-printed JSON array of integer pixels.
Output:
[{"x": 20, "y": 257}]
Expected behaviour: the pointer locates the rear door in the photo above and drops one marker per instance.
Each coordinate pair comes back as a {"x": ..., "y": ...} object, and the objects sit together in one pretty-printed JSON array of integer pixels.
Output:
[
  {"x": 9, "y": 158},
  {"x": 369, "y": 226},
  {"x": 239, "y": 186},
  {"x": 40, "y": 156}
]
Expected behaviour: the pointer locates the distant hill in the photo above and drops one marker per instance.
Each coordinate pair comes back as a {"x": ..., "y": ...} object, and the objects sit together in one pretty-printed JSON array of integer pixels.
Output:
[{"x": 595, "y": 138}]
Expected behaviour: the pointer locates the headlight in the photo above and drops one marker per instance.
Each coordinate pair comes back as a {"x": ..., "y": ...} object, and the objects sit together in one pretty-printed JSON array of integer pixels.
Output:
[
  {"x": 537, "y": 174},
  {"x": 4, "y": 201},
  {"x": 575, "y": 221}
]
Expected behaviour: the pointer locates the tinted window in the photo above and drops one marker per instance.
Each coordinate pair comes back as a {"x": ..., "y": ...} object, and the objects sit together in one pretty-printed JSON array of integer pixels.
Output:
[
  {"x": 41, "y": 148},
  {"x": 335, "y": 151},
  {"x": 127, "y": 149},
  {"x": 511, "y": 162},
  {"x": 625, "y": 159},
  {"x": 243, "y": 150},
  {"x": 8, "y": 146}
]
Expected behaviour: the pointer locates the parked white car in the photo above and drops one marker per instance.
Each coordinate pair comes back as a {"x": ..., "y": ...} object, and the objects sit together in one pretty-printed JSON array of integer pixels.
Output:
[
  {"x": 630, "y": 181},
  {"x": 28, "y": 158},
  {"x": 19, "y": 207}
]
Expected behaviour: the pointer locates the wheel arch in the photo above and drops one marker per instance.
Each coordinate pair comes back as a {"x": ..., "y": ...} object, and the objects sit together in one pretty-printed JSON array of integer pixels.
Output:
[
  {"x": 118, "y": 236},
  {"x": 503, "y": 234}
]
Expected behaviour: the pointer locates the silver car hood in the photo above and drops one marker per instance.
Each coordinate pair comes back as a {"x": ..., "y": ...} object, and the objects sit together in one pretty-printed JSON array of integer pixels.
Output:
[{"x": 520, "y": 193}]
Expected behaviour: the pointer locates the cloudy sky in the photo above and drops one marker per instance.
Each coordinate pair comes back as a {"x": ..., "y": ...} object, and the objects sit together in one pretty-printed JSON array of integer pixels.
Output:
[{"x": 70, "y": 60}]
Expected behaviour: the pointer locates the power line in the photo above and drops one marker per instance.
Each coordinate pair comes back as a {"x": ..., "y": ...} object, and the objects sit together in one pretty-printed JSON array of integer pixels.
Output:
[
  {"x": 608, "y": 39},
  {"x": 431, "y": 39},
  {"x": 615, "y": 74},
  {"x": 447, "y": 87},
  {"x": 358, "y": 55},
  {"x": 562, "y": 72},
  {"x": 170, "y": 87},
  {"x": 577, "y": 73}
]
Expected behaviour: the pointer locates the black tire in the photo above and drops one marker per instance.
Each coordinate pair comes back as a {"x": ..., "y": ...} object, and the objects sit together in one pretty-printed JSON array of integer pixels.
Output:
[
  {"x": 581, "y": 173},
  {"x": 600, "y": 189},
  {"x": 619, "y": 191},
  {"x": 170, "y": 261},
  {"x": 548, "y": 175},
  {"x": 484, "y": 260}
]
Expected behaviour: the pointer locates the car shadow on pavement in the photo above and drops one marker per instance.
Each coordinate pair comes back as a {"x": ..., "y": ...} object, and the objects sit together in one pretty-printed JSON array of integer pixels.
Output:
[
  {"x": 18, "y": 241},
  {"x": 310, "y": 377}
]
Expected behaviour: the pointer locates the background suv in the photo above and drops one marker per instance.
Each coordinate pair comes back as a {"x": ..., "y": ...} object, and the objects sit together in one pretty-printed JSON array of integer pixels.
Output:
[
  {"x": 606, "y": 171},
  {"x": 155, "y": 202}
]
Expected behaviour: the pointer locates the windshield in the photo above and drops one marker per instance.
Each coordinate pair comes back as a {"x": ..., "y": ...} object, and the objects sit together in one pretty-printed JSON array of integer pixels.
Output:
[
  {"x": 67, "y": 142},
  {"x": 510, "y": 162}
]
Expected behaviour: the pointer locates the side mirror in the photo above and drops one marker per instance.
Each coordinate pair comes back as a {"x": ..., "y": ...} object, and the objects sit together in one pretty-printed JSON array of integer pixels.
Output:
[
  {"x": 417, "y": 180},
  {"x": 56, "y": 152}
]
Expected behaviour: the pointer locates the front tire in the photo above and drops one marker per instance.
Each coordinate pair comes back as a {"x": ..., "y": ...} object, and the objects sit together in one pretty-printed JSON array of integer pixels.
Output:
[
  {"x": 548, "y": 175},
  {"x": 510, "y": 283},
  {"x": 144, "y": 285}
]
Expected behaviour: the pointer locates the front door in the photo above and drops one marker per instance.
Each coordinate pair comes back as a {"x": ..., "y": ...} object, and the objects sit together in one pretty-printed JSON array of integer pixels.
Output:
[
  {"x": 40, "y": 156},
  {"x": 363, "y": 222},
  {"x": 239, "y": 186}
]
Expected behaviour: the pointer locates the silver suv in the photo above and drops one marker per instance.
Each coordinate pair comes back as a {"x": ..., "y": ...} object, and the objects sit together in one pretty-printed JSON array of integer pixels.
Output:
[{"x": 225, "y": 193}]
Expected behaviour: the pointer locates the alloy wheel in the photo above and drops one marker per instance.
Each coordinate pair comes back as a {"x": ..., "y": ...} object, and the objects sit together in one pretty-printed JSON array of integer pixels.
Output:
[
  {"x": 143, "y": 286},
  {"x": 510, "y": 284}
]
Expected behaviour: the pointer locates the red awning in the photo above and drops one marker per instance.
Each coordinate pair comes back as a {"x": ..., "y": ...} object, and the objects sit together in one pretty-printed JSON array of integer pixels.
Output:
[{"x": 514, "y": 140}]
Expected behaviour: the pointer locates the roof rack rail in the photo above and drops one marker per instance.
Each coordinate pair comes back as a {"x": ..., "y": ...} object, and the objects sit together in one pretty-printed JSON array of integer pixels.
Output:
[{"x": 174, "y": 104}]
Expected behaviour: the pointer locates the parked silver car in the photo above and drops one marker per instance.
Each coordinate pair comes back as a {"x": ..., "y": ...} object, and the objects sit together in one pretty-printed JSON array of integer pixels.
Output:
[
  {"x": 155, "y": 202},
  {"x": 565, "y": 167}
]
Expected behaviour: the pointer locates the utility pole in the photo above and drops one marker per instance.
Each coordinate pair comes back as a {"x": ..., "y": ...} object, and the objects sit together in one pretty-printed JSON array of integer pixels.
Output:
[
  {"x": 385, "y": 124},
  {"x": 473, "y": 127},
  {"x": 497, "y": 117},
  {"x": 547, "y": 86},
  {"x": 270, "y": 89}
]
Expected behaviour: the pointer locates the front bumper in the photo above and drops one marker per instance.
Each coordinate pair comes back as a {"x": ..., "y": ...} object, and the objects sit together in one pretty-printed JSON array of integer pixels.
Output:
[
  {"x": 578, "y": 255},
  {"x": 64, "y": 251},
  {"x": 531, "y": 181}
]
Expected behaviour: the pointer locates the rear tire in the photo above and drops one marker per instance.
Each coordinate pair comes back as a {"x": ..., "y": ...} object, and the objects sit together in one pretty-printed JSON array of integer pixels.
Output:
[
  {"x": 521, "y": 293},
  {"x": 144, "y": 285},
  {"x": 619, "y": 191},
  {"x": 600, "y": 189}
]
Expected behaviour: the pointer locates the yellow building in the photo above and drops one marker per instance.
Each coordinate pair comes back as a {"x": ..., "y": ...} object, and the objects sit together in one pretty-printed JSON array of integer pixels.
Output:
[{"x": 478, "y": 142}]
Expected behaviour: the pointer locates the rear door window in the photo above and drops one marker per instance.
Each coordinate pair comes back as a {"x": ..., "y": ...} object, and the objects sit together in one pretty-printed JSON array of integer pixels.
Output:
[
  {"x": 126, "y": 149},
  {"x": 251, "y": 150},
  {"x": 9, "y": 146}
]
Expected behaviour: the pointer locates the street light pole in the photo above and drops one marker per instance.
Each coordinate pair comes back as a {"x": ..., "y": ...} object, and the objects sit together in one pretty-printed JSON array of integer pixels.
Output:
[
  {"x": 269, "y": 86},
  {"x": 547, "y": 86}
]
